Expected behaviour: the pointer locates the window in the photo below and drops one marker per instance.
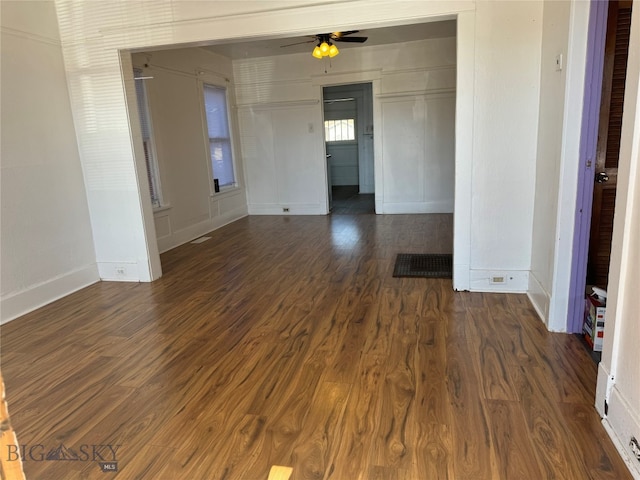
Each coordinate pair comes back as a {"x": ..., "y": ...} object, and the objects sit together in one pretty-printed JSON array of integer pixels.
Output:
[
  {"x": 339, "y": 130},
  {"x": 145, "y": 127},
  {"x": 215, "y": 102}
]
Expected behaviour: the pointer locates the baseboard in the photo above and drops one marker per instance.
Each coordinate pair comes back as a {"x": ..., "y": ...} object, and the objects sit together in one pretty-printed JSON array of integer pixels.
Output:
[
  {"x": 36, "y": 296},
  {"x": 539, "y": 297},
  {"x": 294, "y": 209},
  {"x": 445, "y": 206},
  {"x": 621, "y": 424},
  {"x": 602, "y": 385},
  {"x": 180, "y": 237},
  {"x": 119, "y": 271},
  {"x": 514, "y": 281}
]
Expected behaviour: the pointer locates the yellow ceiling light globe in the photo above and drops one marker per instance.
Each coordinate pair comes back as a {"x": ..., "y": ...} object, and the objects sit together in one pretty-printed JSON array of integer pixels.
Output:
[
  {"x": 317, "y": 52},
  {"x": 333, "y": 51},
  {"x": 324, "y": 48}
]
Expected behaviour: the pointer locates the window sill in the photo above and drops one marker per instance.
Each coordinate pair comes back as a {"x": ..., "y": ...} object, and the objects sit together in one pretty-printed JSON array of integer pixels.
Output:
[
  {"x": 226, "y": 192},
  {"x": 161, "y": 208}
]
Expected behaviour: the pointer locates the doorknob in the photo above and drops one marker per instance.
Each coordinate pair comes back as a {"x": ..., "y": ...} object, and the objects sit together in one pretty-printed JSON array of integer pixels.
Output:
[
  {"x": 328, "y": 155},
  {"x": 602, "y": 177}
]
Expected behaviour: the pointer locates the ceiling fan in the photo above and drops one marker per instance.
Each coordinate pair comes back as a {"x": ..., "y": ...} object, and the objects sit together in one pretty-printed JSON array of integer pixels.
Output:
[{"x": 324, "y": 42}]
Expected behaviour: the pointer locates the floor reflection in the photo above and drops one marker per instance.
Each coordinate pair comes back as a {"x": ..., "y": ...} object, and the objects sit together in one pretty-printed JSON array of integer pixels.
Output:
[{"x": 345, "y": 232}]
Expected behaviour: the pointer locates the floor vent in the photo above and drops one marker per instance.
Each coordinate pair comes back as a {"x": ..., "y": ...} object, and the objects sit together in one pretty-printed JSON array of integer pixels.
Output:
[
  {"x": 430, "y": 265},
  {"x": 201, "y": 239}
]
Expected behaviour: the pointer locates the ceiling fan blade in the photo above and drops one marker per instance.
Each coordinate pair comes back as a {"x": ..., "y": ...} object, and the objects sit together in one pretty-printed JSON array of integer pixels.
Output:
[
  {"x": 297, "y": 43},
  {"x": 342, "y": 34},
  {"x": 351, "y": 39}
]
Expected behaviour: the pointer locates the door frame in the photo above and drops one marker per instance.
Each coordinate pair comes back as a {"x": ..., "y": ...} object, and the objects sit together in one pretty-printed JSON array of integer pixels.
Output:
[
  {"x": 359, "y": 97},
  {"x": 341, "y": 79},
  {"x": 587, "y": 163},
  {"x": 465, "y": 16}
]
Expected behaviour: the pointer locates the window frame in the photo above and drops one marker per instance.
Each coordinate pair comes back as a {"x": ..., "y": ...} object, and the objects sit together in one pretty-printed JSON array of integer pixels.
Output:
[
  {"x": 203, "y": 83},
  {"x": 353, "y": 140},
  {"x": 149, "y": 145}
]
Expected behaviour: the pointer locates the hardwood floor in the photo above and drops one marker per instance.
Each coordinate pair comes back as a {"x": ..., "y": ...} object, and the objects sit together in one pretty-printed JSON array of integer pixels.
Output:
[
  {"x": 348, "y": 201},
  {"x": 286, "y": 341}
]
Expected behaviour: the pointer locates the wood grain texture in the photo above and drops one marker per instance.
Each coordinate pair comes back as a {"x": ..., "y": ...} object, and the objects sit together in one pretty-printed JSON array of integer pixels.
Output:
[
  {"x": 513, "y": 450},
  {"x": 286, "y": 341},
  {"x": 360, "y": 420}
]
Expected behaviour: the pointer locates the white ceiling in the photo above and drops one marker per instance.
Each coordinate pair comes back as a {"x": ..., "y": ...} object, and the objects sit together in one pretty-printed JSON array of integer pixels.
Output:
[{"x": 376, "y": 36}]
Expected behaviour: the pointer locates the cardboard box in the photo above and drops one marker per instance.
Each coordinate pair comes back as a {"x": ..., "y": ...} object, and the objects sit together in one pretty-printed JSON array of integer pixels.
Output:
[{"x": 593, "y": 326}]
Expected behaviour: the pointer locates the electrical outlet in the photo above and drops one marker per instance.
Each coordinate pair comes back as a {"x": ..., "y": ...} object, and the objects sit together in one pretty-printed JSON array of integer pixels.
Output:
[
  {"x": 635, "y": 447},
  {"x": 121, "y": 271},
  {"x": 500, "y": 278},
  {"x": 285, "y": 209}
]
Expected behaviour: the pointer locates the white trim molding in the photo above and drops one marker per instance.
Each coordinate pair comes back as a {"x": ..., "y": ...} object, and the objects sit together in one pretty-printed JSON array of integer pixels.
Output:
[
  {"x": 539, "y": 298},
  {"x": 621, "y": 424},
  {"x": 294, "y": 209},
  {"x": 513, "y": 281},
  {"x": 17, "y": 304},
  {"x": 444, "y": 206}
]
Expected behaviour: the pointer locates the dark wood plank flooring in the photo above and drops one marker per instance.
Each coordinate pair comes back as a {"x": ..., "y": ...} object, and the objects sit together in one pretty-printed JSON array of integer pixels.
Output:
[
  {"x": 286, "y": 341},
  {"x": 348, "y": 201}
]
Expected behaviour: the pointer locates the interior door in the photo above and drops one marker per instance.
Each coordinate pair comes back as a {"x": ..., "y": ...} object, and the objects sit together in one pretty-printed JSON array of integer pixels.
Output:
[{"x": 608, "y": 148}]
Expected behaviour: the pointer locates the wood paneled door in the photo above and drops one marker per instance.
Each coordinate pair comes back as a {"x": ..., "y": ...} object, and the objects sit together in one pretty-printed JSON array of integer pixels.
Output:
[{"x": 604, "y": 192}]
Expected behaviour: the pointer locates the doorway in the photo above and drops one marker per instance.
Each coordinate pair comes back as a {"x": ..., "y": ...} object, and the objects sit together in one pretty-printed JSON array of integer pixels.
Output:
[{"x": 348, "y": 123}]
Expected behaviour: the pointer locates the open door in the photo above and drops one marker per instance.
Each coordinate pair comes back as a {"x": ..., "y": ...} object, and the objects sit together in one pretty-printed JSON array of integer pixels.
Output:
[
  {"x": 329, "y": 182},
  {"x": 348, "y": 122},
  {"x": 608, "y": 146}
]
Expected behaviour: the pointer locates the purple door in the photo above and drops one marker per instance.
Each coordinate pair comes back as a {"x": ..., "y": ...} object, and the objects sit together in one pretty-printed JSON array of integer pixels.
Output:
[{"x": 588, "y": 142}]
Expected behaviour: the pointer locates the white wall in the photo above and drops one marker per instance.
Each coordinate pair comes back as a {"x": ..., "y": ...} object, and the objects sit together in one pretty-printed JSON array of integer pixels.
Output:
[
  {"x": 190, "y": 207},
  {"x": 116, "y": 185},
  {"x": 555, "y": 37},
  {"x": 47, "y": 249},
  {"x": 618, "y": 373},
  {"x": 507, "y": 85},
  {"x": 415, "y": 123},
  {"x": 417, "y": 153},
  {"x": 280, "y": 172}
]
